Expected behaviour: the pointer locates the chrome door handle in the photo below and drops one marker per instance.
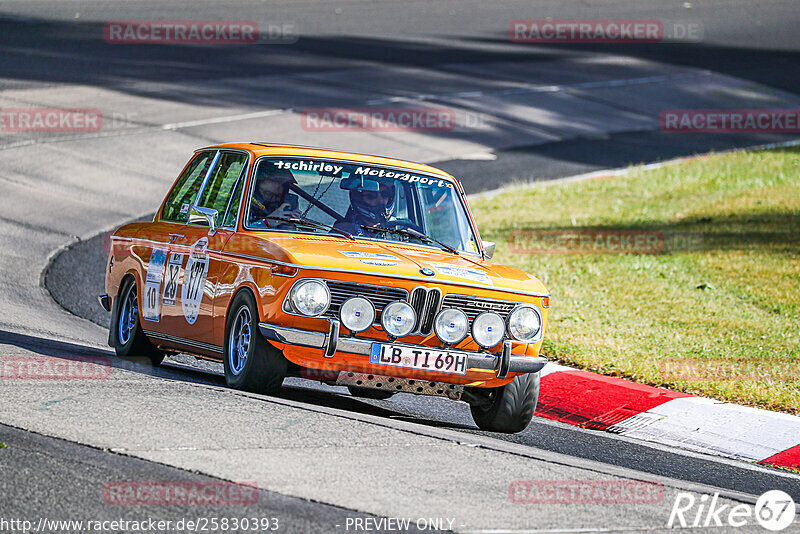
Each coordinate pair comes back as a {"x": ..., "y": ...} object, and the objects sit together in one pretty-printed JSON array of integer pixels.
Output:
[{"x": 175, "y": 237}]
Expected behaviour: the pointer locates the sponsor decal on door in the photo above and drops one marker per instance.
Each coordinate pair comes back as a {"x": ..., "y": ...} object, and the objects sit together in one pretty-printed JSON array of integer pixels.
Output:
[{"x": 152, "y": 285}]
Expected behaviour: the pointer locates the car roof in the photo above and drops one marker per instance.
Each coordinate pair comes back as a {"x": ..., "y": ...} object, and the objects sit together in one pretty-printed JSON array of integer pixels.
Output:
[{"x": 266, "y": 149}]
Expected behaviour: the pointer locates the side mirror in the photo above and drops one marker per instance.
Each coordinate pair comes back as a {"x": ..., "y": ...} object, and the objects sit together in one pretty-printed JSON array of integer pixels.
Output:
[
  {"x": 488, "y": 249},
  {"x": 198, "y": 215}
]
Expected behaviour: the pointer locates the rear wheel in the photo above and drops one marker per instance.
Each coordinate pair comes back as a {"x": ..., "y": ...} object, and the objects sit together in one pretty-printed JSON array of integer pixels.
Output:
[
  {"x": 508, "y": 408},
  {"x": 251, "y": 363},
  {"x": 130, "y": 343},
  {"x": 369, "y": 393}
]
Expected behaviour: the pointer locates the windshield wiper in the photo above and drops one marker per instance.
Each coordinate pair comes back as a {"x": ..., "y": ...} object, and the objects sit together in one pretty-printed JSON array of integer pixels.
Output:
[
  {"x": 311, "y": 223},
  {"x": 412, "y": 233}
]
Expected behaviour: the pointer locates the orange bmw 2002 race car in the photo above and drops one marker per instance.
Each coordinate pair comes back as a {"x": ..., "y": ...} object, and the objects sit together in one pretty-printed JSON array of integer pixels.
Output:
[{"x": 354, "y": 270}]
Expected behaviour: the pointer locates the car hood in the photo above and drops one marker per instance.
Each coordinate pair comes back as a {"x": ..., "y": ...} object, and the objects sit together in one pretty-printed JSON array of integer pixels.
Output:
[{"x": 398, "y": 260}]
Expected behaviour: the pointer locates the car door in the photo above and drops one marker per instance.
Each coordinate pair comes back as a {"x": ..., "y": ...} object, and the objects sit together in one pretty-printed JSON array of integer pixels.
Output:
[
  {"x": 194, "y": 261},
  {"x": 154, "y": 248}
]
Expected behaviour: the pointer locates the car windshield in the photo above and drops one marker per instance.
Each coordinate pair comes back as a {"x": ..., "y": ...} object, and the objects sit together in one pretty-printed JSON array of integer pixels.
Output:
[{"x": 360, "y": 200}]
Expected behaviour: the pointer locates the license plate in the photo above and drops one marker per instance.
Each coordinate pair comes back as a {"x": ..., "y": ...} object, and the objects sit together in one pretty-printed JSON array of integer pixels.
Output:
[{"x": 424, "y": 359}]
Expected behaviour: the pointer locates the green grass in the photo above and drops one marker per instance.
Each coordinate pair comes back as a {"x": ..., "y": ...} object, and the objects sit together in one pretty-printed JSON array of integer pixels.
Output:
[
  {"x": 2, "y": 445},
  {"x": 715, "y": 313}
]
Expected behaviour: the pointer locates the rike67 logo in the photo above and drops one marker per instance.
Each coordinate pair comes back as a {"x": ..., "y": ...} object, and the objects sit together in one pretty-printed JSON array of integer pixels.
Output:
[{"x": 774, "y": 510}]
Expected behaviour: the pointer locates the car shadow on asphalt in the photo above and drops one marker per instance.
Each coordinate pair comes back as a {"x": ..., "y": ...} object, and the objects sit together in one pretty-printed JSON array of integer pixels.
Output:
[
  {"x": 41, "y": 346},
  {"x": 349, "y": 403},
  {"x": 170, "y": 370}
]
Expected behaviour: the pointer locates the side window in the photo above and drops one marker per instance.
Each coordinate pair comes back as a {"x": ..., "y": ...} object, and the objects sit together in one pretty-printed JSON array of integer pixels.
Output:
[
  {"x": 221, "y": 183},
  {"x": 401, "y": 203},
  {"x": 233, "y": 205},
  {"x": 446, "y": 220},
  {"x": 184, "y": 192}
]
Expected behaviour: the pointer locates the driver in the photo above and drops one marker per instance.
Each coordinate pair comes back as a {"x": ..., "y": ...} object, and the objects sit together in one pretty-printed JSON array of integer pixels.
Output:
[
  {"x": 371, "y": 208},
  {"x": 270, "y": 192}
]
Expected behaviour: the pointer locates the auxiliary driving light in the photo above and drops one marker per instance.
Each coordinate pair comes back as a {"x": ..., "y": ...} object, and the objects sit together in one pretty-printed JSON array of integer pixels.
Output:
[
  {"x": 398, "y": 319},
  {"x": 525, "y": 323},
  {"x": 311, "y": 297},
  {"x": 488, "y": 329},
  {"x": 357, "y": 314},
  {"x": 451, "y": 325}
]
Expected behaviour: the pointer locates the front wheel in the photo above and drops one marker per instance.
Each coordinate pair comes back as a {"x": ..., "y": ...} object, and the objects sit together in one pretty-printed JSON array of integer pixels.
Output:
[
  {"x": 251, "y": 363},
  {"x": 129, "y": 340},
  {"x": 508, "y": 408}
]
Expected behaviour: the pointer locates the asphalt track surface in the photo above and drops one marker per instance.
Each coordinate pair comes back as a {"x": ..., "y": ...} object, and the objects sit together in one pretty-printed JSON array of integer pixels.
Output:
[
  {"x": 52, "y": 46},
  {"x": 84, "y": 473}
]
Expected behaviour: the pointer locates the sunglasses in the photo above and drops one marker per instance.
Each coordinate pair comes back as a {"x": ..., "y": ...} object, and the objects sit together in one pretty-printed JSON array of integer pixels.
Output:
[
  {"x": 385, "y": 192},
  {"x": 271, "y": 188}
]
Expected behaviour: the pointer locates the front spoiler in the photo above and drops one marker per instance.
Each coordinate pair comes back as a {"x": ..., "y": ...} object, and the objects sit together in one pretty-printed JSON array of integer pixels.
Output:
[{"x": 332, "y": 342}]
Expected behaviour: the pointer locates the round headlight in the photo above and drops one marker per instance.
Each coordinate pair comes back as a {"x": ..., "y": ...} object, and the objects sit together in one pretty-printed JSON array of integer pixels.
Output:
[
  {"x": 311, "y": 297},
  {"x": 488, "y": 329},
  {"x": 451, "y": 325},
  {"x": 357, "y": 314},
  {"x": 525, "y": 323},
  {"x": 398, "y": 319}
]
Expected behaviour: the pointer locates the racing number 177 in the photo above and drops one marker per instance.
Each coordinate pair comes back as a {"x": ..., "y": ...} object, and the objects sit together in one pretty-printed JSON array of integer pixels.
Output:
[{"x": 194, "y": 280}]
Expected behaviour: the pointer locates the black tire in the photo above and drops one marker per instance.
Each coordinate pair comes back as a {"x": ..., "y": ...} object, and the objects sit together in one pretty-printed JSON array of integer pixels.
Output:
[
  {"x": 508, "y": 408},
  {"x": 264, "y": 366},
  {"x": 369, "y": 393},
  {"x": 126, "y": 332}
]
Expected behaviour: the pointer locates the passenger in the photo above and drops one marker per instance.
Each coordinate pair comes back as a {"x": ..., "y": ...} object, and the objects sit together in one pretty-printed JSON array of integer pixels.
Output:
[{"x": 270, "y": 194}]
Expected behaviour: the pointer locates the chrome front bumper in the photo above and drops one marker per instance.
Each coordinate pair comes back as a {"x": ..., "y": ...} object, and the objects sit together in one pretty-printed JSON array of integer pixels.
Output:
[{"x": 332, "y": 342}]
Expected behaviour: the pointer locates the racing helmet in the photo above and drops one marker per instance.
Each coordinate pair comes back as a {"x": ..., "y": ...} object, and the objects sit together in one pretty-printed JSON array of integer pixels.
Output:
[
  {"x": 272, "y": 185},
  {"x": 373, "y": 204}
]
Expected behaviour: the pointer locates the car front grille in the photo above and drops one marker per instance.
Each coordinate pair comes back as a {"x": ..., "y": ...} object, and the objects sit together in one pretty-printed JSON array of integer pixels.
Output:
[
  {"x": 425, "y": 301},
  {"x": 380, "y": 296},
  {"x": 474, "y": 306}
]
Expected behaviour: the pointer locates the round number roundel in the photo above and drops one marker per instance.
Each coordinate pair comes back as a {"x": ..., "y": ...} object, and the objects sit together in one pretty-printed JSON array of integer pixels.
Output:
[{"x": 194, "y": 280}]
